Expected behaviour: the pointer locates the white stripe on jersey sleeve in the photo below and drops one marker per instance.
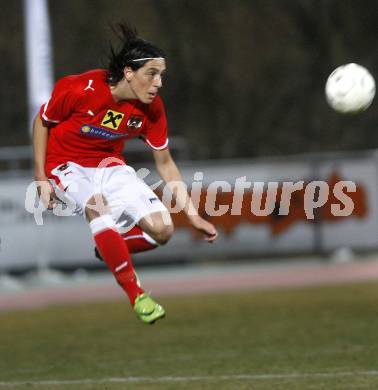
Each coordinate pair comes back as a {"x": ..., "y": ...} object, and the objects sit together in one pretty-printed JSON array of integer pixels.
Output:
[
  {"x": 44, "y": 116},
  {"x": 157, "y": 147}
]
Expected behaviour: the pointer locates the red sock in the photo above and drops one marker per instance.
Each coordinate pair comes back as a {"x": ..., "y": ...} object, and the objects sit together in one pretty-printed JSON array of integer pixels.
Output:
[
  {"x": 138, "y": 241},
  {"x": 116, "y": 255}
]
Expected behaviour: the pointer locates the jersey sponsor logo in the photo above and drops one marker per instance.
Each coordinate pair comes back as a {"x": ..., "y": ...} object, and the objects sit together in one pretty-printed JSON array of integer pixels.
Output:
[
  {"x": 112, "y": 119},
  {"x": 134, "y": 122},
  {"x": 93, "y": 131}
]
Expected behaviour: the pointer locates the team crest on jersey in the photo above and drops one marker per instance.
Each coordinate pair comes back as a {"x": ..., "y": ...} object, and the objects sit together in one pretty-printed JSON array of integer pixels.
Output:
[
  {"x": 112, "y": 119},
  {"x": 135, "y": 122}
]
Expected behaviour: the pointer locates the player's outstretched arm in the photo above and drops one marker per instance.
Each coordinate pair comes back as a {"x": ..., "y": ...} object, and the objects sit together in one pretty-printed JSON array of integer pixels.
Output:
[
  {"x": 40, "y": 137},
  {"x": 169, "y": 172}
]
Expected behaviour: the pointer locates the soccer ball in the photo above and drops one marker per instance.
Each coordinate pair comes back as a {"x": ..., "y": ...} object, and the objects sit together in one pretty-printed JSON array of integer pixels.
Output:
[{"x": 350, "y": 88}]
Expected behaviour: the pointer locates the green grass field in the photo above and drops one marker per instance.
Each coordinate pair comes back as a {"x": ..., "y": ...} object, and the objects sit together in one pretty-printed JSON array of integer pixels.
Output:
[{"x": 312, "y": 338}]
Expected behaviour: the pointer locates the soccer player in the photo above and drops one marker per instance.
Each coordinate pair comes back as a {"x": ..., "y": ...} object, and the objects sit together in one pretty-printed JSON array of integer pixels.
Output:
[{"x": 78, "y": 139}]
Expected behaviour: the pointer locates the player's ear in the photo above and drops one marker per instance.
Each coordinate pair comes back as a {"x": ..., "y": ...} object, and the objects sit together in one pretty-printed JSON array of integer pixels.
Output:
[{"x": 128, "y": 73}]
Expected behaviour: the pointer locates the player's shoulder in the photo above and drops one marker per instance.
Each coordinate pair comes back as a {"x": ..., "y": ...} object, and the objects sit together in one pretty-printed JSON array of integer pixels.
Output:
[
  {"x": 87, "y": 81},
  {"x": 98, "y": 75}
]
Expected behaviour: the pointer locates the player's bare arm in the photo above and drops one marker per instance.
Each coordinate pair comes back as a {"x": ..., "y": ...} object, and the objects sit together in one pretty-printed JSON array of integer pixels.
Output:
[
  {"x": 40, "y": 137},
  {"x": 169, "y": 172}
]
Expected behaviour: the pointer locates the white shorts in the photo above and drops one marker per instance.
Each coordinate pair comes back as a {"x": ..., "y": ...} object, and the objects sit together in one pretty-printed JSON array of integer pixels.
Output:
[{"x": 128, "y": 197}]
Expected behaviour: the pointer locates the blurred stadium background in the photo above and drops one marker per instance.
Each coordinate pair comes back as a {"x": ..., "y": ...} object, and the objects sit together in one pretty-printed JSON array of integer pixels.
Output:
[{"x": 245, "y": 97}]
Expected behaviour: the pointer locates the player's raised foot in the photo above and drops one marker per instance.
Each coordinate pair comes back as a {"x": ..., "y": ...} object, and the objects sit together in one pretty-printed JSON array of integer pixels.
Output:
[{"x": 147, "y": 309}]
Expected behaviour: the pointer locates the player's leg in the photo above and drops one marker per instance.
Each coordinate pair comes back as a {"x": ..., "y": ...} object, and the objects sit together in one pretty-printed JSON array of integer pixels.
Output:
[
  {"x": 132, "y": 202},
  {"x": 76, "y": 187},
  {"x": 115, "y": 253},
  {"x": 136, "y": 240},
  {"x": 158, "y": 225},
  {"x": 110, "y": 245},
  {"x": 148, "y": 234}
]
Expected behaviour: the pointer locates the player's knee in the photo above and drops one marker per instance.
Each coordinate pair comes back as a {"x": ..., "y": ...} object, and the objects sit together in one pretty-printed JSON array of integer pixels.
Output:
[
  {"x": 163, "y": 233},
  {"x": 95, "y": 207}
]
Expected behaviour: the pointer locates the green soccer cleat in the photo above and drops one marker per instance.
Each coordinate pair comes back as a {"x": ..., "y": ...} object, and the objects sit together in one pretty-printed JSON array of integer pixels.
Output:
[{"x": 147, "y": 309}]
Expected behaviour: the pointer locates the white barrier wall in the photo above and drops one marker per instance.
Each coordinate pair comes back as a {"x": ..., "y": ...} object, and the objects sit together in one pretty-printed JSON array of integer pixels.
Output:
[
  {"x": 360, "y": 230},
  {"x": 65, "y": 241}
]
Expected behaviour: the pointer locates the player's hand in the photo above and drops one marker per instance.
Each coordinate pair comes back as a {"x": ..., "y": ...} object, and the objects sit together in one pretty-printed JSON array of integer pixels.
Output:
[
  {"x": 204, "y": 227},
  {"x": 46, "y": 193}
]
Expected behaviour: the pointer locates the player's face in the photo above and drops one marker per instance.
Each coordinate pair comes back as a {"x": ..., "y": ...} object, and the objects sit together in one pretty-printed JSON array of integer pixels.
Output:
[{"x": 146, "y": 81}]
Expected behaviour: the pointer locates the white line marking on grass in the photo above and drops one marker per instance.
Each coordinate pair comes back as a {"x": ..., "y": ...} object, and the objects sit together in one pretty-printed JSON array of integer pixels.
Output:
[{"x": 137, "y": 379}]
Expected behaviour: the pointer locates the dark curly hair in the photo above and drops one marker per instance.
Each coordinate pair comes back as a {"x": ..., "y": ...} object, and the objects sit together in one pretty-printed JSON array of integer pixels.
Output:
[{"x": 132, "y": 48}]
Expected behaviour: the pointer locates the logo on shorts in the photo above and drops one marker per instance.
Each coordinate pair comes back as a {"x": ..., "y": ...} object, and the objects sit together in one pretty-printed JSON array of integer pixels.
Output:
[
  {"x": 135, "y": 122},
  {"x": 112, "y": 119},
  {"x": 62, "y": 167},
  {"x": 152, "y": 200}
]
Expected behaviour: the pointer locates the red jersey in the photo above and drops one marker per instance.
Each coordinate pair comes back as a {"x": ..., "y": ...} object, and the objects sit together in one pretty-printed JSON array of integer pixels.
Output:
[{"x": 87, "y": 125}]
